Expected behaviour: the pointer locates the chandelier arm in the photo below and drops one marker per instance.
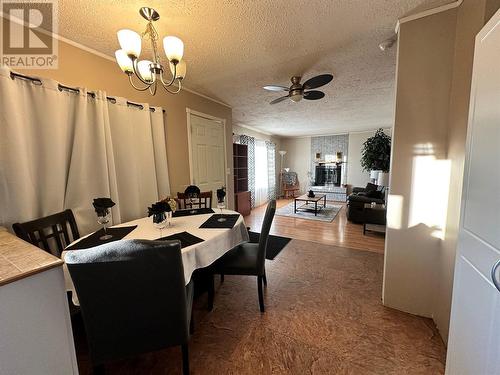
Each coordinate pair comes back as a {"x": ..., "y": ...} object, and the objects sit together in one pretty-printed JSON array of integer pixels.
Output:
[
  {"x": 136, "y": 87},
  {"x": 152, "y": 88},
  {"x": 174, "y": 92},
  {"x": 170, "y": 83}
]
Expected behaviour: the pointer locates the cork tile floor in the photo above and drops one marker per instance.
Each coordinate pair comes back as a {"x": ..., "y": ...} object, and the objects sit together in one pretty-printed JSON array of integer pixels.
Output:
[{"x": 323, "y": 316}]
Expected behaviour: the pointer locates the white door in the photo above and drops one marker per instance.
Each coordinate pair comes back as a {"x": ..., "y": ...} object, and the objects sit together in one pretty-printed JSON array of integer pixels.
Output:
[
  {"x": 207, "y": 154},
  {"x": 474, "y": 342}
]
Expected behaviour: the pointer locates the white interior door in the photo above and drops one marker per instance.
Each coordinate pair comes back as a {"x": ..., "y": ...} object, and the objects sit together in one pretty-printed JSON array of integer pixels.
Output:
[
  {"x": 207, "y": 154},
  {"x": 474, "y": 342}
]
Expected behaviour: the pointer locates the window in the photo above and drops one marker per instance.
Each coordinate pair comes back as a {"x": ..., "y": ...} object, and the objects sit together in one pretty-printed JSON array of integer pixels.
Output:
[{"x": 261, "y": 173}]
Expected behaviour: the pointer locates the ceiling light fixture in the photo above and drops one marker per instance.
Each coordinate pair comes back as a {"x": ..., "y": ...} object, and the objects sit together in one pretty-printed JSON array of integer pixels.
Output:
[
  {"x": 388, "y": 43},
  {"x": 150, "y": 72}
]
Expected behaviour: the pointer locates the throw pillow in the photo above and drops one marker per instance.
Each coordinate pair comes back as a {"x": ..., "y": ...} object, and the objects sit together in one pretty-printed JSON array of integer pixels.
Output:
[{"x": 370, "y": 187}]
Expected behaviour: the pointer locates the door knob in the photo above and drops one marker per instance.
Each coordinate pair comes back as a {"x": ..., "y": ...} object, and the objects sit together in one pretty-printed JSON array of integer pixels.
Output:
[{"x": 494, "y": 275}]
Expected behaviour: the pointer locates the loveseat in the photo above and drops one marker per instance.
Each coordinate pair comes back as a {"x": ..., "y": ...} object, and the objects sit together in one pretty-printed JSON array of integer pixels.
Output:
[{"x": 359, "y": 196}]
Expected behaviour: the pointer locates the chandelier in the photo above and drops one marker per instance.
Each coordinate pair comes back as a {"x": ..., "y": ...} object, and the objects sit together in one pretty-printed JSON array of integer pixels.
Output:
[{"x": 150, "y": 72}]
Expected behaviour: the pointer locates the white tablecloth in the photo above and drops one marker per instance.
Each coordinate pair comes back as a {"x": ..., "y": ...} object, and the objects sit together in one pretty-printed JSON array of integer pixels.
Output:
[{"x": 217, "y": 241}]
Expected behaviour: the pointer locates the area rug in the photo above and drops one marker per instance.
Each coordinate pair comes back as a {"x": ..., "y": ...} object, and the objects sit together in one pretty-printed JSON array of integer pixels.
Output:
[
  {"x": 326, "y": 214},
  {"x": 274, "y": 244}
]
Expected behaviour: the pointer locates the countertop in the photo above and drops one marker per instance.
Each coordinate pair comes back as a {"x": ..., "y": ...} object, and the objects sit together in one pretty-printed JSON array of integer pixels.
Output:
[{"x": 19, "y": 259}]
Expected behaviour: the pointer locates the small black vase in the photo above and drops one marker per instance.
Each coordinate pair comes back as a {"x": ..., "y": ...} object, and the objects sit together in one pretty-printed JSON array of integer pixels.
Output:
[{"x": 311, "y": 194}]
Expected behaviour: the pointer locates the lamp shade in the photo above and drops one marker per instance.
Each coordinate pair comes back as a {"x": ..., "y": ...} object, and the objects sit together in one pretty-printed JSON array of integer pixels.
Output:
[
  {"x": 144, "y": 70},
  {"x": 130, "y": 42},
  {"x": 124, "y": 61},
  {"x": 174, "y": 48},
  {"x": 282, "y": 152},
  {"x": 180, "y": 72}
]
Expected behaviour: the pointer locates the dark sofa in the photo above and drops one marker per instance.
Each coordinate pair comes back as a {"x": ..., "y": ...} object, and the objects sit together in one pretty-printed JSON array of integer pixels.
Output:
[{"x": 359, "y": 196}]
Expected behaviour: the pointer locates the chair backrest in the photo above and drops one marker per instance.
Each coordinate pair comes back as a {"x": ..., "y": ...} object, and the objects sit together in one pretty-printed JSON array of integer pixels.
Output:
[
  {"x": 204, "y": 200},
  {"x": 49, "y": 233},
  {"x": 264, "y": 233},
  {"x": 290, "y": 180},
  {"x": 132, "y": 296}
]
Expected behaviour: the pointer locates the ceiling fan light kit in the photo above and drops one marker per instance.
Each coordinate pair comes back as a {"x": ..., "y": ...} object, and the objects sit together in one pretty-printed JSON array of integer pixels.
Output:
[
  {"x": 297, "y": 91},
  {"x": 150, "y": 73}
]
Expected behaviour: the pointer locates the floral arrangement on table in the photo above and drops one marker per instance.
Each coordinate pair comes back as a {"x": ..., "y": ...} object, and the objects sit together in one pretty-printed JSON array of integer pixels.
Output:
[
  {"x": 159, "y": 211},
  {"x": 102, "y": 206},
  {"x": 172, "y": 202},
  {"x": 221, "y": 194}
]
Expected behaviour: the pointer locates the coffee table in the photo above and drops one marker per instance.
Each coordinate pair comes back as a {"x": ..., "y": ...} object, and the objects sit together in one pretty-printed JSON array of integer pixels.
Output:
[{"x": 304, "y": 198}]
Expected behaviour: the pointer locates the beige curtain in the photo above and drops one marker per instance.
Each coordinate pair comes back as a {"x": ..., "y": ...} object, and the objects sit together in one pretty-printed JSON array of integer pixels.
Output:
[
  {"x": 138, "y": 139},
  {"x": 61, "y": 149}
]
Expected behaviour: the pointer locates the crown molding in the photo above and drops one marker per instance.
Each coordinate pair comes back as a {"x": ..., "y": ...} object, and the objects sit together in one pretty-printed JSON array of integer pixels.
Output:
[
  {"x": 428, "y": 12},
  {"x": 257, "y": 130}
]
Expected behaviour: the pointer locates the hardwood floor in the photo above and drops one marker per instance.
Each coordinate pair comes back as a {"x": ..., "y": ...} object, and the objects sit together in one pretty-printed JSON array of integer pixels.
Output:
[{"x": 340, "y": 232}]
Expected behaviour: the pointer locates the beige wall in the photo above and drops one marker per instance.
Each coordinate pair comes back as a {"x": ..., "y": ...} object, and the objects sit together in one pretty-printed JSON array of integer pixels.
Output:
[
  {"x": 433, "y": 88},
  {"x": 298, "y": 158},
  {"x": 356, "y": 176},
  {"x": 81, "y": 68}
]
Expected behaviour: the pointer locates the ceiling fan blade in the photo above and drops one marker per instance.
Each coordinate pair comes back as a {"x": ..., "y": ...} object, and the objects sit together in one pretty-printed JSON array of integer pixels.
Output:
[
  {"x": 275, "y": 88},
  {"x": 279, "y": 99},
  {"x": 317, "y": 81},
  {"x": 314, "y": 95}
]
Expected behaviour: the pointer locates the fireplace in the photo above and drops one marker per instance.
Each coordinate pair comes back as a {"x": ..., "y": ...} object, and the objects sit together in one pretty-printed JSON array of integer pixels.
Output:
[{"x": 328, "y": 174}]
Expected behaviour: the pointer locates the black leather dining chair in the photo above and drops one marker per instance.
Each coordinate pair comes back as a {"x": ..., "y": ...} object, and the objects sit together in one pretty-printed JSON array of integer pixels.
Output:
[
  {"x": 49, "y": 233},
  {"x": 249, "y": 258},
  {"x": 133, "y": 298}
]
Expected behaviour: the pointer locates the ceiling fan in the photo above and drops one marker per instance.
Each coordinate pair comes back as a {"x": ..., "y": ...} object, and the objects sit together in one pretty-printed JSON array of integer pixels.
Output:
[{"x": 297, "y": 91}]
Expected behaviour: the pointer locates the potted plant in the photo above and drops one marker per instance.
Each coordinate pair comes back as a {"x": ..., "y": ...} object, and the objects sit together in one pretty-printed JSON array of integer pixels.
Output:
[{"x": 376, "y": 155}]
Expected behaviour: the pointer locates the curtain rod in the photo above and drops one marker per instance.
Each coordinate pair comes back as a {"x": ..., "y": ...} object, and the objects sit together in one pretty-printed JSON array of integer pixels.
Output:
[{"x": 75, "y": 90}]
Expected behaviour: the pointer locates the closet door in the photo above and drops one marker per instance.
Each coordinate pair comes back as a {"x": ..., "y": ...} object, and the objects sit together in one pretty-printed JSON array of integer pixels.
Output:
[{"x": 474, "y": 341}]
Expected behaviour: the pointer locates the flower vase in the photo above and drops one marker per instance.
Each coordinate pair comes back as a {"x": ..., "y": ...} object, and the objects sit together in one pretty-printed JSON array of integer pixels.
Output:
[{"x": 169, "y": 218}]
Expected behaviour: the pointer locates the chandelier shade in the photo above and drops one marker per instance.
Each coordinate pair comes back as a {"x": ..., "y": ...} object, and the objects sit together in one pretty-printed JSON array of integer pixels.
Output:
[
  {"x": 124, "y": 61},
  {"x": 148, "y": 73},
  {"x": 174, "y": 48},
  {"x": 144, "y": 67},
  {"x": 130, "y": 42}
]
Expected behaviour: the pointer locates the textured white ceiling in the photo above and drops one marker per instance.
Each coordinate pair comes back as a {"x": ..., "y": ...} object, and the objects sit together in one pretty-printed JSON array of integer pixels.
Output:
[{"x": 234, "y": 47}]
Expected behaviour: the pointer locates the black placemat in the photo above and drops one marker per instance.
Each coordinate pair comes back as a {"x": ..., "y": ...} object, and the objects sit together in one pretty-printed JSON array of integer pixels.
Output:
[
  {"x": 186, "y": 238},
  {"x": 212, "y": 221},
  {"x": 93, "y": 239},
  {"x": 188, "y": 212}
]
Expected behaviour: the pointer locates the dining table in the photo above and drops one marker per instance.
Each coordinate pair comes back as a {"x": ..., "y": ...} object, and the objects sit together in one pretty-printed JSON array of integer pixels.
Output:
[{"x": 214, "y": 242}]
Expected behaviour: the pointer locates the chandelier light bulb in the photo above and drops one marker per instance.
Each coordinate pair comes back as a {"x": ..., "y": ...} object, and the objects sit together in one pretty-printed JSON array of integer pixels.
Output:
[
  {"x": 130, "y": 42},
  {"x": 124, "y": 61},
  {"x": 174, "y": 48},
  {"x": 145, "y": 70}
]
